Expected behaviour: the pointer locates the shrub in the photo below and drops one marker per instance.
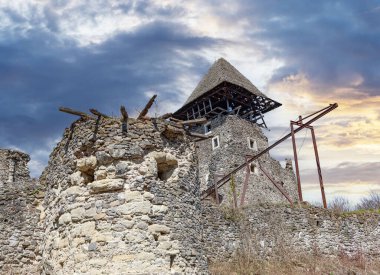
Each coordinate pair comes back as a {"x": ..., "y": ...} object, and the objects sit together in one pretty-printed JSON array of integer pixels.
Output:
[
  {"x": 371, "y": 202},
  {"x": 340, "y": 204}
]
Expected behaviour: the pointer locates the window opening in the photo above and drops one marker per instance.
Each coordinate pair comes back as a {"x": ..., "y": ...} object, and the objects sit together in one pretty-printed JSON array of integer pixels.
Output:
[
  {"x": 215, "y": 142},
  {"x": 252, "y": 144},
  {"x": 254, "y": 169},
  {"x": 207, "y": 128}
]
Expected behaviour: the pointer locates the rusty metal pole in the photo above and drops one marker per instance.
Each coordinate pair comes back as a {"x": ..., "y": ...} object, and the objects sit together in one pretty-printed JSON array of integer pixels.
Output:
[
  {"x": 245, "y": 185},
  {"x": 318, "y": 167},
  {"x": 296, "y": 163},
  {"x": 233, "y": 189},
  {"x": 216, "y": 189}
]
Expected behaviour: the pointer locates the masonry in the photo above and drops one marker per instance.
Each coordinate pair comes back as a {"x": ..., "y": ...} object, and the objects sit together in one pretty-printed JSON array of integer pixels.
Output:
[
  {"x": 124, "y": 196},
  {"x": 13, "y": 166},
  {"x": 20, "y": 208}
]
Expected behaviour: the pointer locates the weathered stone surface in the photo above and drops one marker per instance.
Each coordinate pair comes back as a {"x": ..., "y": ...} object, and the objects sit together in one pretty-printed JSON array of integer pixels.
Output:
[
  {"x": 106, "y": 185},
  {"x": 86, "y": 164},
  {"x": 159, "y": 228},
  {"x": 135, "y": 208}
]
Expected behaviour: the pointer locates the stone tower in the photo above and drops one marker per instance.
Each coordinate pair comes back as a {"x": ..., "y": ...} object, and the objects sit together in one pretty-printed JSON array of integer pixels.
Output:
[
  {"x": 13, "y": 166},
  {"x": 234, "y": 109}
]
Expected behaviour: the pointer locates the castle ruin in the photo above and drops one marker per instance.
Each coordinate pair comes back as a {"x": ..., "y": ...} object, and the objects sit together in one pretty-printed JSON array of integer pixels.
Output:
[{"x": 124, "y": 196}]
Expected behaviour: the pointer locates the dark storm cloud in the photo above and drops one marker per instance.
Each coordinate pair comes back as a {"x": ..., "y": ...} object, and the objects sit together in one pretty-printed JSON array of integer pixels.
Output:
[
  {"x": 330, "y": 41},
  {"x": 39, "y": 73}
]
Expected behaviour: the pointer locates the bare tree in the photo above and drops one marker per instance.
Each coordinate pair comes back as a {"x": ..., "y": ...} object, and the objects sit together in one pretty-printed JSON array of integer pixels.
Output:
[
  {"x": 372, "y": 201},
  {"x": 340, "y": 204}
]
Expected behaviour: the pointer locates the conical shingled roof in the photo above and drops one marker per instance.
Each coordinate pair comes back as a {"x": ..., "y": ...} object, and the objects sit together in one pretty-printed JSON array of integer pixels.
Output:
[{"x": 219, "y": 72}]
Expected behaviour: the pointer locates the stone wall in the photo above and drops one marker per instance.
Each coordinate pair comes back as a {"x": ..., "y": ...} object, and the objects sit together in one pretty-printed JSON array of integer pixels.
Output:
[
  {"x": 13, "y": 166},
  {"x": 121, "y": 203},
  {"x": 233, "y": 133},
  {"x": 266, "y": 227},
  {"x": 20, "y": 228}
]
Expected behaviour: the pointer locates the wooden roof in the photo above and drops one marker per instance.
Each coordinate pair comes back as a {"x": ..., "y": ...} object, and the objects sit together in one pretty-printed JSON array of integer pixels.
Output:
[{"x": 219, "y": 72}]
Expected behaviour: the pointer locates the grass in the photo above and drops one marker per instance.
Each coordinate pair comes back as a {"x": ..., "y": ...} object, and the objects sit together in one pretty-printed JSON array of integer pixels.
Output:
[{"x": 296, "y": 264}]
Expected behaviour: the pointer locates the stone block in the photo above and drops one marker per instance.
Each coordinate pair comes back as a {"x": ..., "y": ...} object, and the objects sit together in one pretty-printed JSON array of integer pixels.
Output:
[
  {"x": 77, "y": 214},
  {"x": 103, "y": 158},
  {"x": 87, "y": 164},
  {"x": 135, "y": 208},
  {"x": 64, "y": 219},
  {"x": 159, "y": 228},
  {"x": 106, "y": 185}
]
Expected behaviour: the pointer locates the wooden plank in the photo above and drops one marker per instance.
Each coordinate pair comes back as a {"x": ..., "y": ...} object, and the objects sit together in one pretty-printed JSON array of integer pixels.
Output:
[
  {"x": 175, "y": 119},
  {"x": 194, "y": 121},
  {"x": 77, "y": 113},
  {"x": 166, "y": 116},
  {"x": 124, "y": 119},
  {"x": 97, "y": 113},
  {"x": 144, "y": 112},
  {"x": 192, "y": 134}
]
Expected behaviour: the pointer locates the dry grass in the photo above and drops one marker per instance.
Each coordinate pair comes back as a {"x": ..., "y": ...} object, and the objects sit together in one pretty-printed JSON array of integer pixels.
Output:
[
  {"x": 296, "y": 265},
  {"x": 281, "y": 258}
]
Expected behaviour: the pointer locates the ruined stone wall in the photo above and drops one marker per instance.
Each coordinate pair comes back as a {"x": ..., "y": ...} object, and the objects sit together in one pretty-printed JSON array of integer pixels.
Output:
[
  {"x": 233, "y": 133},
  {"x": 122, "y": 203},
  {"x": 266, "y": 227},
  {"x": 13, "y": 166},
  {"x": 20, "y": 228}
]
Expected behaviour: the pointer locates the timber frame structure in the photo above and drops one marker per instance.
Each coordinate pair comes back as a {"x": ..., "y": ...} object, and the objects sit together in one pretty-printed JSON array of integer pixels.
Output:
[
  {"x": 224, "y": 90},
  {"x": 228, "y": 98}
]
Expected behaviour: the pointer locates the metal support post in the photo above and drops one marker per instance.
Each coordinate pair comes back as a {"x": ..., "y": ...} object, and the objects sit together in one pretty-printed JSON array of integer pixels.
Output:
[
  {"x": 245, "y": 185},
  {"x": 318, "y": 167},
  {"x": 296, "y": 163}
]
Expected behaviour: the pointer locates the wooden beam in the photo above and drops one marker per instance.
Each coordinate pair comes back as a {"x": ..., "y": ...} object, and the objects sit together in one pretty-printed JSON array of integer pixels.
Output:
[
  {"x": 166, "y": 116},
  {"x": 176, "y": 120},
  {"x": 144, "y": 112},
  {"x": 97, "y": 113},
  {"x": 124, "y": 119},
  {"x": 124, "y": 114},
  {"x": 192, "y": 134},
  {"x": 194, "y": 121},
  {"x": 77, "y": 113}
]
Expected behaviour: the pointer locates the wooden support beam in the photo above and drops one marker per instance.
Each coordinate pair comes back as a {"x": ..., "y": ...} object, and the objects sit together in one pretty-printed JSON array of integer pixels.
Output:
[
  {"x": 77, "y": 113},
  {"x": 97, "y": 113},
  {"x": 192, "y": 134},
  {"x": 175, "y": 119},
  {"x": 194, "y": 121},
  {"x": 166, "y": 116},
  {"x": 144, "y": 112},
  {"x": 124, "y": 119}
]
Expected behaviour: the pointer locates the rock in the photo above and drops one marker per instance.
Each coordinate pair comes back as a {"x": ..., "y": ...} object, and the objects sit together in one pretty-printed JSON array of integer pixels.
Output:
[
  {"x": 106, "y": 185},
  {"x": 122, "y": 167},
  {"x": 86, "y": 164},
  {"x": 65, "y": 218},
  {"x": 77, "y": 214},
  {"x": 133, "y": 196},
  {"x": 92, "y": 247},
  {"x": 136, "y": 208},
  {"x": 158, "y": 228},
  {"x": 117, "y": 153},
  {"x": 160, "y": 157},
  {"x": 164, "y": 245},
  {"x": 100, "y": 174},
  {"x": 159, "y": 209},
  {"x": 103, "y": 158}
]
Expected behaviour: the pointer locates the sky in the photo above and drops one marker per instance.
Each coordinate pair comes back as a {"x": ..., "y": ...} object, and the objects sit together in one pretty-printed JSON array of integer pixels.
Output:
[{"x": 103, "y": 54}]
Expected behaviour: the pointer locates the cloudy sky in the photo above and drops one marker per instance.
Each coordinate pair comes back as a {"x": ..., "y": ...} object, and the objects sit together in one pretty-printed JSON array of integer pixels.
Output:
[{"x": 102, "y": 54}]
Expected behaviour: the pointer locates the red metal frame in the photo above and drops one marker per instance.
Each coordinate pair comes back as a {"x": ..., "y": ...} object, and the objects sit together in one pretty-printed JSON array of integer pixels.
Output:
[
  {"x": 245, "y": 185},
  {"x": 311, "y": 128},
  {"x": 225, "y": 178}
]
